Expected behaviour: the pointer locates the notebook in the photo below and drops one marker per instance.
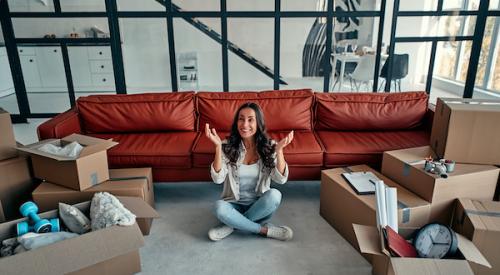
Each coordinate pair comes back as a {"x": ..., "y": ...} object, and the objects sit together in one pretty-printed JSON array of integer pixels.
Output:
[{"x": 363, "y": 183}]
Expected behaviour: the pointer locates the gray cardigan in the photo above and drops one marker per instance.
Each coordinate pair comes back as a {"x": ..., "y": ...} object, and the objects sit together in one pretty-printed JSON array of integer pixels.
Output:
[{"x": 229, "y": 176}]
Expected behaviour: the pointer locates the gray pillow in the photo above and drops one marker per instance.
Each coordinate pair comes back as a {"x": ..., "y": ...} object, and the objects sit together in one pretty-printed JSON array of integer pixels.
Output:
[{"x": 74, "y": 219}]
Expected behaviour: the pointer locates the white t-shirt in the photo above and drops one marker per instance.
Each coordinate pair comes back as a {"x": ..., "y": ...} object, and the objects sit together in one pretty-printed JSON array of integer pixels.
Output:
[{"x": 248, "y": 178}]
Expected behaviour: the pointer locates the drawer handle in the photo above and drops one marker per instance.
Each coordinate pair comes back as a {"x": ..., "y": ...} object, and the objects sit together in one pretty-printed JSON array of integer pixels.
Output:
[
  {"x": 102, "y": 66},
  {"x": 104, "y": 80},
  {"x": 21, "y": 51},
  {"x": 55, "y": 51},
  {"x": 100, "y": 53},
  {"x": 31, "y": 60}
]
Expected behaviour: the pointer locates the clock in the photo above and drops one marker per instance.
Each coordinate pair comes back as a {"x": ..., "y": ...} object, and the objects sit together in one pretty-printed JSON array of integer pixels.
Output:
[{"x": 435, "y": 240}]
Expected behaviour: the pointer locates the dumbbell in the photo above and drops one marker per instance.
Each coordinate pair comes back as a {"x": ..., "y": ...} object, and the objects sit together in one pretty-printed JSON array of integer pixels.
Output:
[{"x": 29, "y": 209}]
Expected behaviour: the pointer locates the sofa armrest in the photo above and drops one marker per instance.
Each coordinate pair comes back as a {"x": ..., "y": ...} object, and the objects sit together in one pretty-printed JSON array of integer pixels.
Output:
[{"x": 60, "y": 126}]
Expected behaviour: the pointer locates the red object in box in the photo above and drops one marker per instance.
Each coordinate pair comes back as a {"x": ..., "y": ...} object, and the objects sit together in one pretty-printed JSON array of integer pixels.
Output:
[{"x": 398, "y": 245}]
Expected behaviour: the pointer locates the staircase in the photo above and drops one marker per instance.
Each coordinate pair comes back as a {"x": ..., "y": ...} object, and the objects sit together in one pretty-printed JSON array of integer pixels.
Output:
[{"x": 231, "y": 46}]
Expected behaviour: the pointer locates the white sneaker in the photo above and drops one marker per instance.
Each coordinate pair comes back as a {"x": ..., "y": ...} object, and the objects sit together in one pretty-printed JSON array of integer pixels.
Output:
[
  {"x": 220, "y": 232},
  {"x": 282, "y": 233}
]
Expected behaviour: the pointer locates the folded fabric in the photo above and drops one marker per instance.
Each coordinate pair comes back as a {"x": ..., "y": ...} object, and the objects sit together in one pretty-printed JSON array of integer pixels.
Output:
[
  {"x": 74, "y": 219},
  {"x": 71, "y": 150},
  {"x": 106, "y": 210},
  {"x": 34, "y": 240}
]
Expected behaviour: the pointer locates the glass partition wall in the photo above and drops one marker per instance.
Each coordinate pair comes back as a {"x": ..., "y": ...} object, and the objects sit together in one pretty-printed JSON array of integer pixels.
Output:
[{"x": 59, "y": 50}]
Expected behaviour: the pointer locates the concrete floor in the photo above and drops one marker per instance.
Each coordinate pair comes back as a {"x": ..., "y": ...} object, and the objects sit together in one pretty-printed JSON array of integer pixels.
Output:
[{"x": 178, "y": 243}]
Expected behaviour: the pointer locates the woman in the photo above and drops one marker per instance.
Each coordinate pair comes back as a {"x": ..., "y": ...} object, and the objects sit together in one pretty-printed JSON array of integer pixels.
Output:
[{"x": 246, "y": 163}]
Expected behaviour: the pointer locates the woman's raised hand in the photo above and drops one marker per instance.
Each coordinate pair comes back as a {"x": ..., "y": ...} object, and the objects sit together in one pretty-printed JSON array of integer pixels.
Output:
[
  {"x": 284, "y": 142},
  {"x": 212, "y": 135}
]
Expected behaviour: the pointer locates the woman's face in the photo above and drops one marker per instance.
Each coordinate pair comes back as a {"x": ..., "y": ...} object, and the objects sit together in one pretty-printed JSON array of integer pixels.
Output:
[{"x": 247, "y": 123}]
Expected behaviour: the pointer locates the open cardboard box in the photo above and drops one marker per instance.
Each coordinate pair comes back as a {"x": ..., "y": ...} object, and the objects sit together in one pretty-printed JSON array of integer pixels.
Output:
[
  {"x": 337, "y": 195},
  {"x": 113, "y": 250},
  {"x": 369, "y": 241},
  {"x": 89, "y": 169},
  {"x": 466, "y": 130},
  {"x": 406, "y": 167},
  {"x": 479, "y": 221},
  {"x": 129, "y": 182}
]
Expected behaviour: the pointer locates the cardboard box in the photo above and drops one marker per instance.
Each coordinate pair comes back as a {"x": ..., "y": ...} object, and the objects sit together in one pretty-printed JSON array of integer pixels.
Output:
[
  {"x": 406, "y": 167},
  {"x": 89, "y": 169},
  {"x": 466, "y": 130},
  {"x": 130, "y": 182},
  {"x": 113, "y": 250},
  {"x": 7, "y": 140},
  {"x": 369, "y": 241},
  {"x": 479, "y": 221},
  {"x": 16, "y": 185},
  {"x": 337, "y": 196}
]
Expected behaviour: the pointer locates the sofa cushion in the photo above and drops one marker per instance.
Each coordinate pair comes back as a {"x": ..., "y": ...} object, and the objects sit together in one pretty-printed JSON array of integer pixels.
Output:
[
  {"x": 346, "y": 148},
  {"x": 303, "y": 151},
  {"x": 283, "y": 110},
  {"x": 370, "y": 111},
  {"x": 137, "y": 113},
  {"x": 170, "y": 150}
]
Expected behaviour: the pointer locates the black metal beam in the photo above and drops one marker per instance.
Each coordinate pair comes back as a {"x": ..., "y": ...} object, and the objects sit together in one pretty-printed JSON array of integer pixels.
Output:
[
  {"x": 116, "y": 47},
  {"x": 57, "y": 6},
  {"x": 392, "y": 46},
  {"x": 73, "y": 41},
  {"x": 430, "y": 72},
  {"x": 171, "y": 45},
  {"x": 327, "y": 66},
  {"x": 379, "y": 45},
  {"x": 475, "y": 51},
  {"x": 277, "y": 43},
  {"x": 247, "y": 14},
  {"x": 18, "y": 119},
  {"x": 225, "y": 65},
  {"x": 14, "y": 61},
  {"x": 68, "y": 14},
  {"x": 411, "y": 39},
  {"x": 69, "y": 77},
  {"x": 437, "y": 13}
]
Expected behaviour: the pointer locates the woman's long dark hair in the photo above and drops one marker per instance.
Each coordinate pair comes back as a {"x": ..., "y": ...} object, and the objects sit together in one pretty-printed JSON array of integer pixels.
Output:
[{"x": 265, "y": 148}]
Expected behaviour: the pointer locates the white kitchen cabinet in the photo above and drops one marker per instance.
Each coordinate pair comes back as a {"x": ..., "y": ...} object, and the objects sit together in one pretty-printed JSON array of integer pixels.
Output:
[
  {"x": 6, "y": 84},
  {"x": 43, "y": 68},
  {"x": 79, "y": 62},
  {"x": 51, "y": 67},
  {"x": 30, "y": 72}
]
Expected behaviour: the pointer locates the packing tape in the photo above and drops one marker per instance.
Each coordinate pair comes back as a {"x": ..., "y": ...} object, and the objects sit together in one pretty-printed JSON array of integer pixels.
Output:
[
  {"x": 132, "y": 178},
  {"x": 93, "y": 179},
  {"x": 479, "y": 213},
  {"x": 482, "y": 213},
  {"x": 406, "y": 169},
  {"x": 347, "y": 169},
  {"x": 406, "y": 212}
]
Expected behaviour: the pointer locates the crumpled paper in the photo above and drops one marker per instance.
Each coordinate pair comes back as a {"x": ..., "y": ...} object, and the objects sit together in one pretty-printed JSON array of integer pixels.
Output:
[
  {"x": 106, "y": 210},
  {"x": 71, "y": 150}
]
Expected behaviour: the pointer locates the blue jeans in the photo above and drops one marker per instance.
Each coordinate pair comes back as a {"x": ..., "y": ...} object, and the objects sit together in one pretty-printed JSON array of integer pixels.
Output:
[{"x": 248, "y": 217}]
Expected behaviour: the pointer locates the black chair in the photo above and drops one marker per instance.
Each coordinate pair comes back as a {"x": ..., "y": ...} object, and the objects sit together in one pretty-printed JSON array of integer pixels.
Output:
[{"x": 399, "y": 70}]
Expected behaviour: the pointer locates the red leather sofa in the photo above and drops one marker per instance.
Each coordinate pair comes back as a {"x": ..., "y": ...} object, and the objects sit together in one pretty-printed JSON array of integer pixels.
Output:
[{"x": 165, "y": 130}]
